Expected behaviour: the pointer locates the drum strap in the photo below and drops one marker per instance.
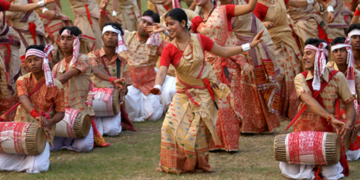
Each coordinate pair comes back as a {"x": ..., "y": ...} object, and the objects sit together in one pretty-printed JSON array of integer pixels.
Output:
[
  {"x": 118, "y": 66},
  {"x": 17, "y": 104},
  {"x": 315, "y": 95}
]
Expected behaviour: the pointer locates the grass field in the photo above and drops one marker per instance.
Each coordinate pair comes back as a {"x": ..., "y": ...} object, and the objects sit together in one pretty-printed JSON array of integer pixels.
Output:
[{"x": 135, "y": 155}]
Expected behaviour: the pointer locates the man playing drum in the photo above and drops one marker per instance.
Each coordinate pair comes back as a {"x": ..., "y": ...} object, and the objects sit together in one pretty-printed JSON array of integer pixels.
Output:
[
  {"x": 74, "y": 73},
  {"x": 41, "y": 100},
  {"x": 104, "y": 65},
  {"x": 343, "y": 61},
  {"x": 143, "y": 50},
  {"x": 318, "y": 88}
]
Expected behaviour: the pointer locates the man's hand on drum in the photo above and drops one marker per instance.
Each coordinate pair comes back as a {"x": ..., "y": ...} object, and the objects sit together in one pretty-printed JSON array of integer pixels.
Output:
[
  {"x": 42, "y": 121},
  {"x": 341, "y": 128},
  {"x": 120, "y": 83}
]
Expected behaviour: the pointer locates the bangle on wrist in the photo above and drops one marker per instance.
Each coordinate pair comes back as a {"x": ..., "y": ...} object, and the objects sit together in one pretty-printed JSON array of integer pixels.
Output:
[
  {"x": 330, "y": 9},
  {"x": 329, "y": 118},
  {"x": 34, "y": 113},
  {"x": 158, "y": 86},
  {"x": 310, "y": 2},
  {"x": 103, "y": 12},
  {"x": 44, "y": 10},
  {"x": 41, "y": 3},
  {"x": 111, "y": 79},
  {"x": 114, "y": 13},
  {"x": 246, "y": 47}
]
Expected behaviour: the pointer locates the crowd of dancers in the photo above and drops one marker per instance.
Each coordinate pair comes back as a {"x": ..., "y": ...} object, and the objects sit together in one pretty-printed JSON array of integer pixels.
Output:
[{"x": 213, "y": 71}]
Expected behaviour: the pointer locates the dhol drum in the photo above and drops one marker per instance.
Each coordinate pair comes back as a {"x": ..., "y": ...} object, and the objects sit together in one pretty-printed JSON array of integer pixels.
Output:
[
  {"x": 106, "y": 102},
  {"x": 74, "y": 125},
  {"x": 308, "y": 148},
  {"x": 22, "y": 138}
]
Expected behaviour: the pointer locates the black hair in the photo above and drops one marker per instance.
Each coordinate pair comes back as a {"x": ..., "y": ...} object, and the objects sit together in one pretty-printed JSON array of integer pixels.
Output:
[
  {"x": 153, "y": 15},
  {"x": 352, "y": 27},
  {"x": 338, "y": 40},
  {"x": 38, "y": 47},
  {"x": 178, "y": 14},
  {"x": 115, "y": 25},
  {"x": 74, "y": 30},
  {"x": 316, "y": 42}
]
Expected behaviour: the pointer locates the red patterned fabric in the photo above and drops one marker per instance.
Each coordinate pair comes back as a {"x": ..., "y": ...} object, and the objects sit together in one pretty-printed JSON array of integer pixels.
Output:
[
  {"x": 306, "y": 143},
  {"x": 143, "y": 78},
  {"x": 44, "y": 97},
  {"x": 107, "y": 92},
  {"x": 172, "y": 55},
  {"x": 70, "y": 116},
  {"x": 15, "y": 131}
]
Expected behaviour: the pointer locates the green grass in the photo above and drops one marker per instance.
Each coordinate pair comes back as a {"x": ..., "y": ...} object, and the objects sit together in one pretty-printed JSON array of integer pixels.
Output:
[
  {"x": 67, "y": 9},
  {"x": 135, "y": 155}
]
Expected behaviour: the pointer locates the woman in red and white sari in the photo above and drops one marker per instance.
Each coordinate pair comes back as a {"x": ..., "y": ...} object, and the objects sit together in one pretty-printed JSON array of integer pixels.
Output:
[{"x": 254, "y": 106}]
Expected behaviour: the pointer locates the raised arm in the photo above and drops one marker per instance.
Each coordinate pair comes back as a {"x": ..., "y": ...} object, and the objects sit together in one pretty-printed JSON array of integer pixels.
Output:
[
  {"x": 244, "y": 9},
  {"x": 356, "y": 16},
  {"x": 28, "y": 7},
  {"x": 103, "y": 19},
  {"x": 139, "y": 4},
  {"x": 231, "y": 51}
]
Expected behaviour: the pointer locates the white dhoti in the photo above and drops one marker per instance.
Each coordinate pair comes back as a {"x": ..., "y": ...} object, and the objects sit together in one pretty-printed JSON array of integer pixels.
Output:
[
  {"x": 168, "y": 90},
  {"x": 354, "y": 151},
  {"x": 28, "y": 163},
  {"x": 85, "y": 144},
  {"x": 110, "y": 126},
  {"x": 140, "y": 107},
  {"x": 295, "y": 171}
]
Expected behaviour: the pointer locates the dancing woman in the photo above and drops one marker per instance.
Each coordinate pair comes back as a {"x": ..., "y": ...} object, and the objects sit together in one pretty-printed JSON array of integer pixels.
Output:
[{"x": 185, "y": 134}]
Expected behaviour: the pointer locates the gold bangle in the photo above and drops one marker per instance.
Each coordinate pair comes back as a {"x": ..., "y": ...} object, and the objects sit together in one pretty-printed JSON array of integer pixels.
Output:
[{"x": 328, "y": 119}]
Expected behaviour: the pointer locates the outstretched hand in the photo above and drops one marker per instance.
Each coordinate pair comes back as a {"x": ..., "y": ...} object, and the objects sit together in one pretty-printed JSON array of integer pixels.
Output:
[
  {"x": 155, "y": 28},
  {"x": 155, "y": 91},
  {"x": 257, "y": 39}
]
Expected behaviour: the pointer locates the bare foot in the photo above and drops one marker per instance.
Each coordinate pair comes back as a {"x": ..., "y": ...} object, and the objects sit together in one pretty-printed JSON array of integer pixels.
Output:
[{"x": 159, "y": 169}]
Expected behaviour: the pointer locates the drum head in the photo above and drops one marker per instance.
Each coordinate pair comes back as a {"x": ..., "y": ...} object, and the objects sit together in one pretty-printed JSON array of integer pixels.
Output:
[
  {"x": 332, "y": 147},
  {"x": 82, "y": 125},
  {"x": 116, "y": 101},
  {"x": 35, "y": 139},
  {"x": 86, "y": 125}
]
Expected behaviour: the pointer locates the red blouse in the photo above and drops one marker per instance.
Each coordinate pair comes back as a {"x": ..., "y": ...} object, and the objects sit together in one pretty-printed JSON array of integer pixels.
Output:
[
  {"x": 5, "y": 5},
  {"x": 260, "y": 10},
  {"x": 172, "y": 55},
  {"x": 230, "y": 8}
]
